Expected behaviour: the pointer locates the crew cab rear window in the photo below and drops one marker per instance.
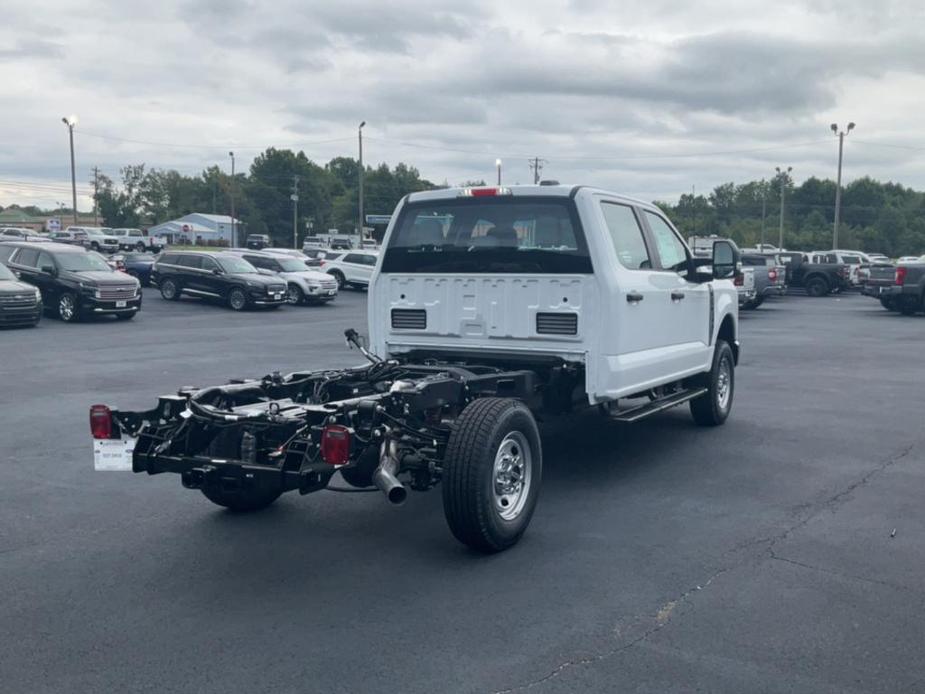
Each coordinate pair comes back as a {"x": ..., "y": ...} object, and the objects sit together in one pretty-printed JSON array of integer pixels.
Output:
[
  {"x": 626, "y": 236},
  {"x": 498, "y": 235}
]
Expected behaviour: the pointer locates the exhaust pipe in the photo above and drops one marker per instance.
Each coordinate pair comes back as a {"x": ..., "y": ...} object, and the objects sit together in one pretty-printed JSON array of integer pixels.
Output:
[{"x": 385, "y": 475}]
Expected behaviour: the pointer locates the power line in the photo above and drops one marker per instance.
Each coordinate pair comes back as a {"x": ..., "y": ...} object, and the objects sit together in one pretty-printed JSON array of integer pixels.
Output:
[{"x": 201, "y": 146}]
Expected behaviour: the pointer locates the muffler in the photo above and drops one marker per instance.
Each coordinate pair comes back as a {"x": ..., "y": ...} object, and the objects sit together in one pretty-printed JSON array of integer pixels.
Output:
[{"x": 385, "y": 475}]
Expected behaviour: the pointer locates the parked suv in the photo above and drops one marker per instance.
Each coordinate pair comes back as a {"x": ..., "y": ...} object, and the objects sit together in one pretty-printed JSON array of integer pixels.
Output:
[
  {"x": 19, "y": 234},
  {"x": 99, "y": 238},
  {"x": 135, "y": 240},
  {"x": 257, "y": 242},
  {"x": 353, "y": 268},
  {"x": 20, "y": 303},
  {"x": 304, "y": 285},
  {"x": 220, "y": 275},
  {"x": 74, "y": 283},
  {"x": 74, "y": 236}
]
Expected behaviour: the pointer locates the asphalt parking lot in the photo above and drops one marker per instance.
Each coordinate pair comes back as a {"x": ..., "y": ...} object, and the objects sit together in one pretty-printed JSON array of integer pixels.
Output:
[{"x": 757, "y": 557}]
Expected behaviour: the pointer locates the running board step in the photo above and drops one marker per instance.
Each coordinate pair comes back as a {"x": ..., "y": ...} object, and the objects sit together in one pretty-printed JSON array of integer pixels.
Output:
[{"x": 650, "y": 408}]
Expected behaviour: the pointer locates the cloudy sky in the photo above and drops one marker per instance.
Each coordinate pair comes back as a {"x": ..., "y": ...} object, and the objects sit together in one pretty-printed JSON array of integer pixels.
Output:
[{"x": 648, "y": 97}]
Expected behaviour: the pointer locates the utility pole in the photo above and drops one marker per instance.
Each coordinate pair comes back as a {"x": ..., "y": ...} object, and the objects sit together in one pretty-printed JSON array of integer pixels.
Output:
[
  {"x": 694, "y": 208},
  {"x": 96, "y": 190},
  {"x": 764, "y": 208},
  {"x": 70, "y": 122},
  {"x": 498, "y": 167},
  {"x": 362, "y": 220},
  {"x": 536, "y": 164},
  {"x": 783, "y": 177},
  {"x": 841, "y": 145},
  {"x": 234, "y": 235},
  {"x": 295, "y": 211}
]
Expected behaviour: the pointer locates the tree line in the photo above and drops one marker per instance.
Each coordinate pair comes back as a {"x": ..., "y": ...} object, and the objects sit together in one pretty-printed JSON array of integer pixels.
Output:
[
  {"x": 875, "y": 217},
  {"x": 328, "y": 195}
]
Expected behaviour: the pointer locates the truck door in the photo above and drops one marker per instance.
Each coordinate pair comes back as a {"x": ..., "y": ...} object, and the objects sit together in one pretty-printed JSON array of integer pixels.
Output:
[
  {"x": 636, "y": 316},
  {"x": 688, "y": 302}
]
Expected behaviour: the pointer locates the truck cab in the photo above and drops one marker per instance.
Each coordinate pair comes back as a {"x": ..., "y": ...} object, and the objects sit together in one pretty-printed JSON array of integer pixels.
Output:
[{"x": 566, "y": 275}]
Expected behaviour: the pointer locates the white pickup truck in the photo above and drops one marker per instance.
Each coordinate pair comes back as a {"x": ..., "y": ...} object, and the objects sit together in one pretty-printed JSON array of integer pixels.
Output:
[{"x": 487, "y": 307}]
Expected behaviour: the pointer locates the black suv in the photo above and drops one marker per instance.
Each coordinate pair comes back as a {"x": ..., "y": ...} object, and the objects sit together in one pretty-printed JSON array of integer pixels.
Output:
[
  {"x": 257, "y": 242},
  {"x": 74, "y": 282},
  {"x": 20, "y": 303},
  {"x": 216, "y": 275}
]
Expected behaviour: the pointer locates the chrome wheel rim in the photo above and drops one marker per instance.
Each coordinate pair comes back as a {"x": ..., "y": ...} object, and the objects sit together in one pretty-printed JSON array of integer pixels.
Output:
[
  {"x": 294, "y": 296},
  {"x": 512, "y": 476},
  {"x": 237, "y": 300},
  {"x": 66, "y": 307},
  {"x": 724, "y": 383},
  {"x": 168, "y": 290}
]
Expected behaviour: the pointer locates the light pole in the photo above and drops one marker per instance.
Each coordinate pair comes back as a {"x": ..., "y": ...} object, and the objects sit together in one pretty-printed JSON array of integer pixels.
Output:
[
  {"x": 764, "y": 208},
  {"x": 234, "y": 235},
  {"x": 783, "y": 177},
  {"x": 841, "y": 144},
  {"x": 360, "y": 136},
  {"x": 70, "y": 122},
  {"x": 498, "y": 167}
]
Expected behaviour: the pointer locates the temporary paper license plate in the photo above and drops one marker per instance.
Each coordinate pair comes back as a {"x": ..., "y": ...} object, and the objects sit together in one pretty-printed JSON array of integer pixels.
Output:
[{"x": 113, "y": 454}]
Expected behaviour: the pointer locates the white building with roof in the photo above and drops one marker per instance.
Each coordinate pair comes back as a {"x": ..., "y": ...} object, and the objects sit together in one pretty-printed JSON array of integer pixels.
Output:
[{"x": 198, "y": 228}]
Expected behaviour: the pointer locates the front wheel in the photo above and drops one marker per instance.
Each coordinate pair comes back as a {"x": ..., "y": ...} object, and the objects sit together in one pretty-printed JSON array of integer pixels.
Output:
[
  {"x": 68, "y": 310},
  {"x": 712, "y": 408},
  {"x": 339, "y": 276},
  {"x": 492, "y": 473},
  {"x": 237, "y": 299},
  {"x": 296, "y": 296}
]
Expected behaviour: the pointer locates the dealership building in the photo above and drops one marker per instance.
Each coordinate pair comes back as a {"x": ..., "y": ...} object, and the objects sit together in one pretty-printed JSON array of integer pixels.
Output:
[{"x": 199, "y": 229}]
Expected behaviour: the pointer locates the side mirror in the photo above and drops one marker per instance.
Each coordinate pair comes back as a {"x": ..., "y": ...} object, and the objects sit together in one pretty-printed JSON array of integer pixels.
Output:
[
  {"x": 726, "y": 260},
  {"x": 49, "y": 270},
  {"x": 216, "y": 271}
]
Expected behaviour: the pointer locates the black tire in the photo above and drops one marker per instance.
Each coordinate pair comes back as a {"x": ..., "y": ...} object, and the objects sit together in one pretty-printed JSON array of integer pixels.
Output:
[
  {"x": 140, "y": 247},
  {"x": 169, "y": 290},
  {"x": 817, "y": 286},
  {"x": 227, "y": 444},
  {"x": 296, "y": 297},
  {"x": 126, "y": 316},
  {"x": 888, "y": 304},
  {"x": 237, "y": 299},
  {"x": 477, "y": 510},
  {"x": 68, "y": 308},
  {"x": 339, "y": 276},
  {"x": 713, "y": 407},
  {"x": 909, "y": 305},
  {"x": 94, "y": 246},
  {"x": 241, "y": 501}
]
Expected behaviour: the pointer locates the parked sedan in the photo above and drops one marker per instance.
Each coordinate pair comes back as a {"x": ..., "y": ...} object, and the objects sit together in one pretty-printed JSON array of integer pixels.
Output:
[{"x": 20, "y": 303}]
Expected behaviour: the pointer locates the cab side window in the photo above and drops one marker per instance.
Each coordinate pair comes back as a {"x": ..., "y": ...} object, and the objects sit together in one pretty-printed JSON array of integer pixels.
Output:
[
  {"x": 192, "y": 261},
  {"x": 209, "y": 264},
  {"x": 45, "y": 260},
  {"x": 626, "y": 236},
  {"x": 671, "y": 250},
  {"x": 28, "y": 257}
]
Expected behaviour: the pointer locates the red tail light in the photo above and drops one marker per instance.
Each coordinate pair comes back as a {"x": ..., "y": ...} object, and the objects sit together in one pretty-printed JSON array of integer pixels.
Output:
[
  {"x": 101, "y": 422},
  {"x": 739, "y": 280},
  {"x": 483, "y": 192},
  {"x": 900, "y": 276},
  {"x": 335, "y": 444},
  {"x": 772, "y": 275}
]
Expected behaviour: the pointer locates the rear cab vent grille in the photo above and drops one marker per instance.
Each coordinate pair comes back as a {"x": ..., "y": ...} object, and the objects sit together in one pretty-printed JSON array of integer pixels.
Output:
[
  {"x": 557, "y": 323},
  {"x": 409, "y": 319}
]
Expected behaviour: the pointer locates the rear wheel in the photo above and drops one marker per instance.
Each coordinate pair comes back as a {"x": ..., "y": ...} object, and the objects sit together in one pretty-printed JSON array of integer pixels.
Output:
[
  {"x": 237, "y": 299},
  {"x": 492, "y": 473},
  {"x": 713, "y": 407},
  {"x": 887, "y": 303},
  {"x": 170, "y": 290},
  {"x": 816, "y": 286},
  {"x": 68, "y": 310},
  {"x": 909, "y": 305}
]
